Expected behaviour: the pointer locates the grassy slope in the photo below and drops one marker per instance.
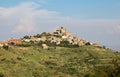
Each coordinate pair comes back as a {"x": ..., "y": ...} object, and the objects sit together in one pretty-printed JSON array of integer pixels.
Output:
[{"x": 64, "y": 62}]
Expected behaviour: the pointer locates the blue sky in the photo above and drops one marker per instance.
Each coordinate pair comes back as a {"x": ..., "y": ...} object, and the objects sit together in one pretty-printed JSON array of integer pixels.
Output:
[{"x": 94, "y": 20}]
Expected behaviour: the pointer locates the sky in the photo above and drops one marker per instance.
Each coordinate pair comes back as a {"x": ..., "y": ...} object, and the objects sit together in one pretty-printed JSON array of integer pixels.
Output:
[{"x": 93, "y": 20}]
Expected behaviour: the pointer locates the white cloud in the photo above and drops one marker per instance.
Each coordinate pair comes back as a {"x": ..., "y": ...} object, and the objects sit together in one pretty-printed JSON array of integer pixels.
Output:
[
  {"x": 26, "y": 18},
  {"x": 25, "y": 24},
  {"x": 21, "y": 17}
]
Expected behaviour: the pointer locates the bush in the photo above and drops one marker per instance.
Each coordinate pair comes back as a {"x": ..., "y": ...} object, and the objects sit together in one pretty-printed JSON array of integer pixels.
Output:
[
  {"x": 26, "y": 37},
  {"x": 45, "y": 34},
  {"x": 67, "y": 44},
  {"x": 27, "y": 44},
  {"x": 37, "y": 36},
  {"x": 5, "y": 47},
  {"x": 89, "y": 75},
  {"x": 64, "y": 43},
  {"x": 24, "y": 45},
  {"x": 48, "y": 43},
  {"x": 1, "y": 75},
  {"x": 58, "y": 36},
  {"x": 88, "y": 43}
]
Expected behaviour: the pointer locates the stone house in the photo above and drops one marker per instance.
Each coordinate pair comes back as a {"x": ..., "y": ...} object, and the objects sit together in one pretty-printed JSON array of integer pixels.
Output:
[{"x": 60, "y": 31}]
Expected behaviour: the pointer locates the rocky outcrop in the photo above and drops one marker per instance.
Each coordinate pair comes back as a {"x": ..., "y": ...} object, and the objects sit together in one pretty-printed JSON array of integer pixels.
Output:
[{"x": 44, "y": 46}]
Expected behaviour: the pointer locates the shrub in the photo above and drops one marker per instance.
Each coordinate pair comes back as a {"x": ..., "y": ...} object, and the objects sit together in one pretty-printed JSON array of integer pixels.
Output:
[
  {"x": 58, "y": 36},
  {"x": 27, "y": 44},
  {"x": 5, "y": 47},
  {"x": 1, "y": 75},
  {"x": 37, "y": 36},
  {"x": 67, "y": 44},
  {"x": 40, "y": 43},
  {"x": 48, "y": 43},
  {"x": 45, "y": 34},
  {"x": 88, "y": 43},
  {"x": 26, "y": 37},
  {"x": 64, "y": 43},
  {"x": 104, "y": 47},
  {"x": 35, "y": 74},
  {"x": 89, "y": 75},
  {"x": 24, "y": 45}
]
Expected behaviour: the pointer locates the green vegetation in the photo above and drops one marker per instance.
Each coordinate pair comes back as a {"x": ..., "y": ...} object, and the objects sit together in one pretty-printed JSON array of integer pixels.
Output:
[
  {"x": 42, "y": 34},
  {"x": 51, "y": 44},
  {"x": 45, "y": 34},
  {"x": 37, "y": 36},
  {"x": 67, "y": 44},
  {"x": 26, "y": 37},
  {"x": 26, "y": 44},
  {"x": 58, "y": 36},
  {"x": 84, "y": 61},
  {"x": 1, "y": 75},
  {"x": 5, "y": 47}
]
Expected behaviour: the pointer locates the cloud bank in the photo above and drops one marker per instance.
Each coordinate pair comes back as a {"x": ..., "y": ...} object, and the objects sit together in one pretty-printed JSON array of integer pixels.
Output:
[{"x": 26, "y": 18}]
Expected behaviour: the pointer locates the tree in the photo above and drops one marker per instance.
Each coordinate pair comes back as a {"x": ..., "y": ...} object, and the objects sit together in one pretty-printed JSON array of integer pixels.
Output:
[
  {"x": 5, "y": 47},
  {"x": 26, "y": 37},
  {"x": 64, "y": 43}
]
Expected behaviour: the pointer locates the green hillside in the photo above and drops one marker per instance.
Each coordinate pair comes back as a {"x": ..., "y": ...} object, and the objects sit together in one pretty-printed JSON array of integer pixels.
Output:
[{"x": 84, "y": 61}]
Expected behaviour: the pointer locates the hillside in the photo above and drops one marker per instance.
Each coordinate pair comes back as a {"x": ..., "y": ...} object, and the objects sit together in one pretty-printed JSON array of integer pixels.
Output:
[
  {"x": 34, "y": 61},
  {"x": 60, "y": 37},
  {"x": 57, "y": 54}
]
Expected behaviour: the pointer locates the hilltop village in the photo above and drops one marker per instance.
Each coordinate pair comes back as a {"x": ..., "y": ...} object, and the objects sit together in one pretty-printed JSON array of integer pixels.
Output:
[{"x": 61, "y": 37}]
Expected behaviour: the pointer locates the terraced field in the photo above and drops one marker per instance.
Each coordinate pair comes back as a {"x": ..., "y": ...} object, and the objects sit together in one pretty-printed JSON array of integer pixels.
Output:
[{"x": 85, "y": 61}]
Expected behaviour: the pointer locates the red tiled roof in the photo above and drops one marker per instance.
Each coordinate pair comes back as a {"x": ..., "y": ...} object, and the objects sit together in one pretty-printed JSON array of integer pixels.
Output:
[{"x": 17, "y": 41}]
